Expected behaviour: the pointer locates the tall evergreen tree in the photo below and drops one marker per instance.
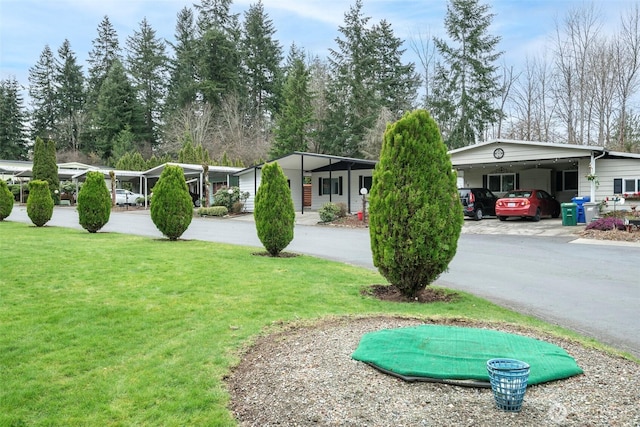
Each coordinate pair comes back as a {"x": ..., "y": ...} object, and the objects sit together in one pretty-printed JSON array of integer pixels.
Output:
[
  {"x": 147, "y": 64},
  {"x": 117, "y": 109},
  {"x": 42, "y": 91},
  {"x": 218, "y": 67},
  {"x": 216, "y": 13},
  {"x": 219, "y": 60},
  {"x": 106, "y": 50},
  {"x": 293, "y": 130},
  {"x": 351, "y": 95},
  {"x": 396, "y": 83},
  {"x": 70, "y": 99},
  {"x": 45, "y": 167},
  {"x": 262, "y": 55},
  {"x": 13, "y": 143},
  {"x": 466, "y": 84},
  {"x": 183, "y": 85}
]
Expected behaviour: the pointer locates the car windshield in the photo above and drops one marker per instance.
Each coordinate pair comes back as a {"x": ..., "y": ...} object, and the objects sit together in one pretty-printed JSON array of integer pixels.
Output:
[{"x": 512, "y": 194}]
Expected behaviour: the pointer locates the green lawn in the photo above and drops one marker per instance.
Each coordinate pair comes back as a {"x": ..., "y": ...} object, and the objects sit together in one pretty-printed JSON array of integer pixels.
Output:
[{"x": 114, "y": 330}]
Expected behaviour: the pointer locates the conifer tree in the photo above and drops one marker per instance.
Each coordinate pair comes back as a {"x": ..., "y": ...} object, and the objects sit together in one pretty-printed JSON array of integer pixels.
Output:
[
  {"x": 261, "y": 57},
  {"x": 6, "y": 200},
  {"x": 94, "y": 203},
  {"x": 466, "y": 84},
  {"x": 106, "y": 50},
  {"x": 39, "y": 203},
  {"x": 414, "y": 213},
  {"x": 45, "y": 167},
  {"x": 183, "y": 84},
  {"x": 13, "y": 143},
  {"x": 70, "y": 117},
  {"x": 274, "y": 212},
  {"x": 42, "y": 91},
  {"x": 171, "y": 206},
  {"x": 147, "y": 65},
  {"x": 117, "y": 109},
  {"x": 293, "y": 123}
]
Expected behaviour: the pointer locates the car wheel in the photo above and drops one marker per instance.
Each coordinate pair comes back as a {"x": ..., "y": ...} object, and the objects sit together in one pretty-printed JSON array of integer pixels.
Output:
[
  {"x": 502, "y": 218},
  {"x": 478, "y": 215},
  {"x": 536, "y": 218}
]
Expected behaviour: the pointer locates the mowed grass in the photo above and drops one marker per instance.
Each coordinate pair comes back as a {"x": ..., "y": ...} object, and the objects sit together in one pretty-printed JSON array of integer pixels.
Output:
[{"x": 114, "y": 330}]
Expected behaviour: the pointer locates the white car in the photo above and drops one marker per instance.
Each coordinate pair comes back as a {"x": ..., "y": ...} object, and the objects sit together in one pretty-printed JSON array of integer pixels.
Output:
[{"x": 126, "y": 197}]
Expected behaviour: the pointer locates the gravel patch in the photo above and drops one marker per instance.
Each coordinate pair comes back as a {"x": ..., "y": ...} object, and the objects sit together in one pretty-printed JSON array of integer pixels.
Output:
[{"x": 304, "y": 376}]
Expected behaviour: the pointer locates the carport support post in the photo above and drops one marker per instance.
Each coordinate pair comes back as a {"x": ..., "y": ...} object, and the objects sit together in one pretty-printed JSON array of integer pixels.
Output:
[{"x": 302, "y": 183}]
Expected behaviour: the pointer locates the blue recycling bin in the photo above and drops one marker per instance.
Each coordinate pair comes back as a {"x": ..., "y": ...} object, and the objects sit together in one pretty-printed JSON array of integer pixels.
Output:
[{"x": 580, "y": 201}]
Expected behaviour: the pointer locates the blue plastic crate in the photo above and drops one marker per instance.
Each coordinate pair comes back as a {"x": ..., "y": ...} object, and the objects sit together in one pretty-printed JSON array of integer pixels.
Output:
[{"x": 509, "y": 379}]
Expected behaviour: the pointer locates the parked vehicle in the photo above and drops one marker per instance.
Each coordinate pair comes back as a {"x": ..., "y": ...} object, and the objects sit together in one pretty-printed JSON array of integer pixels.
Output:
[
  {"x": 477, "y": 202},
  {"x": 532, "y": 204},
  {"x": 126, "y": 197}
]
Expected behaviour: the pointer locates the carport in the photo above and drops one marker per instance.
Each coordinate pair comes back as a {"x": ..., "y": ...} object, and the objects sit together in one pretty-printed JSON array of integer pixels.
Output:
[
  {"x": 119, "y": 175},
  {"x": 321, "y": 170},
  {"x": 217, "y": 175},
  {"x": 561, "y": 169}
]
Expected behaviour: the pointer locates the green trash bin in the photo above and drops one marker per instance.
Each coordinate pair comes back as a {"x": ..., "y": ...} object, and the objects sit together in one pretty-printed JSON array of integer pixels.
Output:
[{"x": 569, "y": 214}]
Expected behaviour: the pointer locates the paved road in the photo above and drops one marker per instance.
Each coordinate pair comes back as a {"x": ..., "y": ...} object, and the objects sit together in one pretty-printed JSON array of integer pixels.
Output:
[{"x": 592, "y": 289}]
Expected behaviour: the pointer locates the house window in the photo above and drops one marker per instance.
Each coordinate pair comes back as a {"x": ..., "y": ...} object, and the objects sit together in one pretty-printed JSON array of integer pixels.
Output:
[
  {"x": 501, "y": 183},
  {"x": 569, "y": 181},
  {"x": 630, "y": 185},
  {"x": 365, "y": 182},
  {"x": 626, "y": 185},
  {"x": 330, "y": 186}
]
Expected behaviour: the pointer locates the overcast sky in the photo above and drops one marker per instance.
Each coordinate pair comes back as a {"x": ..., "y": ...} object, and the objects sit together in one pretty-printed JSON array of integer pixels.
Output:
[{"x": 26, "y": 26}]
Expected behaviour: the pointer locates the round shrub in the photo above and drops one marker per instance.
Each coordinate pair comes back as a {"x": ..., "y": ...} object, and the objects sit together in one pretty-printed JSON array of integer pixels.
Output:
[
  {"x": 94, "y": 203},
  {"x": 39, "y": 203},
  {"x": 414, "y": 208},
  {"x": 6, "y": 200},
  {"x": 172, "y": 208},
  {"x": 274, "y": 213},
  {"x": 329, "y": 212}
]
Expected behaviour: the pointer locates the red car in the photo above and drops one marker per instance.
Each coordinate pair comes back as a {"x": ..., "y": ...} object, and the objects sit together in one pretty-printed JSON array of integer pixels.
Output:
[{"x": 527, "y": 204}]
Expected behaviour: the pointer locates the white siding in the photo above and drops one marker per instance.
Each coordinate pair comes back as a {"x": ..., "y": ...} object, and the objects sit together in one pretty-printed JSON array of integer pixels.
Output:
[
  {"x": 248, "y": 182},
  {"x": 350, "y": 190},
  {"x": 513, "y": 153}
]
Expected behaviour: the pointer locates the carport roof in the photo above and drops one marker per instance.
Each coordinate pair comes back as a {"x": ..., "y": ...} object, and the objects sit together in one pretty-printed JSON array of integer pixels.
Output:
[
  {"x": 190, "y": 170},
  {"x": 312, "y": 162}
]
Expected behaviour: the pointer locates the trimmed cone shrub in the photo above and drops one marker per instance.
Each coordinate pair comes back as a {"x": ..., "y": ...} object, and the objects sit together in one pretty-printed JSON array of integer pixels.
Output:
[
  {"x": 172, "y": 208},
  {"x": 39, "y": 203},
  {"x": 6, "y": 200},
  {"x": 274, "y": 213},
  {"x": 414, "y": 208},
  {"x": 94, "y": 203}
]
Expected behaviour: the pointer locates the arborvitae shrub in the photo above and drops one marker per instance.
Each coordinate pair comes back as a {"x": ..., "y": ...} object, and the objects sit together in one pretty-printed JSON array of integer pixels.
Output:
[
  {"x": 274, "y": 213},
  {"x": 94, "y": 203},
  {"x": 39, "y": 203},
  {"x": 414, "y": 208},
  {"x": 45, "y": 167},
  {"x": 6, "y": 200},
  {"x": 172, "y": 208}
]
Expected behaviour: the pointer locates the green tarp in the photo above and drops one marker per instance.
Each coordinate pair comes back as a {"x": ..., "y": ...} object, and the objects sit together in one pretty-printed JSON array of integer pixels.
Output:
[{"x": 433, "y": 352}]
